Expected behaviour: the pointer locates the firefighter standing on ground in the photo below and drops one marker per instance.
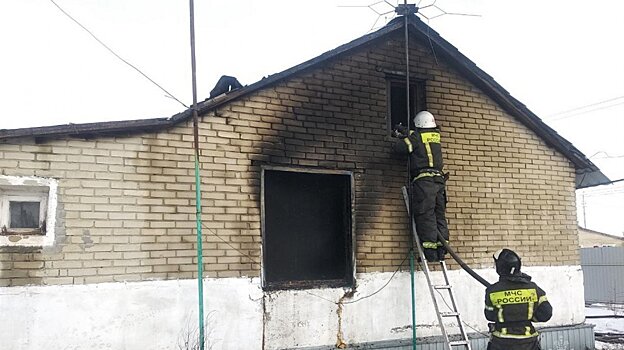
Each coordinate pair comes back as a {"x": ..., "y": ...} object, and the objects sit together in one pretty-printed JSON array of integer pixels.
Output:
[
  {"x": 512, "y": 304},
  {"x": 428, "y": 193}
]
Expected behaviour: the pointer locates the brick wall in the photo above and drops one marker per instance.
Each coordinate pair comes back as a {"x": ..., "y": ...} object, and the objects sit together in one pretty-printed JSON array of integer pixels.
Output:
[{"x": 126, "y": 204}]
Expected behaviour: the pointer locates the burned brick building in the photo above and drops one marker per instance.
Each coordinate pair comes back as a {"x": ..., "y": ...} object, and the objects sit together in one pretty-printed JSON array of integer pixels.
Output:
[{"x": 301, "y": 204}]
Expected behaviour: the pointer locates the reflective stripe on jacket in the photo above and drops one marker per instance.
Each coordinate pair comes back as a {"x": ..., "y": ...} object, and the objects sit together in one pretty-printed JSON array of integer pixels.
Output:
[{"x": 425, "y": 150}]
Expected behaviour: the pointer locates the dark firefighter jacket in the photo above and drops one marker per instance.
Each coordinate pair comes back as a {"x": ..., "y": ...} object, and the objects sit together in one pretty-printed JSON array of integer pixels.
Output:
[
  {"x": 425, "y": 150},
  {"x": 513, "y": 303}
]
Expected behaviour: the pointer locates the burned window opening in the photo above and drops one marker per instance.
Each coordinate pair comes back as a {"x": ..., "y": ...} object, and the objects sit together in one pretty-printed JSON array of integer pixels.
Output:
[
  {"x": 307, "y": 230},
  {"x": 397, "y": 97}
]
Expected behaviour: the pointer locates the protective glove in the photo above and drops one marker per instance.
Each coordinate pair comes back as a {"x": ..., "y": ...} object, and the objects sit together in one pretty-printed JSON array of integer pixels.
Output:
[{"x": 400, "y": 131}]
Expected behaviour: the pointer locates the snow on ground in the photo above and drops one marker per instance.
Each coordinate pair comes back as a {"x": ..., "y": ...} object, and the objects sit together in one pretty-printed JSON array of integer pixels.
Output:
[
  {"x": 608, "y": 346},
  {"x": 606, "y": 325}
]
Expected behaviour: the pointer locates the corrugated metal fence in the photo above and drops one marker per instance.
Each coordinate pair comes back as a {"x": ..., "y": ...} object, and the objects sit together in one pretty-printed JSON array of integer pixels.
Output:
[
  {"x": 603, "y": 274},
  {"x": 579, "y": 337}
]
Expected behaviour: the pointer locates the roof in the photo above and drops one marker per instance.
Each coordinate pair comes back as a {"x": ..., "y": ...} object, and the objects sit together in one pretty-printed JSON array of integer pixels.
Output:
[
  {"x": 587, "y": 174},
  {"x": 586, "y": 230}
]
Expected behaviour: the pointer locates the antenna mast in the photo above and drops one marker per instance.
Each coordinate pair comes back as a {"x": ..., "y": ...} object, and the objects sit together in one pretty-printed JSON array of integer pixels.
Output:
[
  {"x": 198, "y": 207},
  {"x": 407, "y": 10}
]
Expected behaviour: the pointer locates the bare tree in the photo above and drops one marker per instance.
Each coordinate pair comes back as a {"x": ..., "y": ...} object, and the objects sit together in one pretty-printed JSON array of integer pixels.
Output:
[{"x": 188, "y": 339}]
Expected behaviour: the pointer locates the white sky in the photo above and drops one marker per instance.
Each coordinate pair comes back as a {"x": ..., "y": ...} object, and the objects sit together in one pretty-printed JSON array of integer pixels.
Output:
[{"x": 553, "y": 56}]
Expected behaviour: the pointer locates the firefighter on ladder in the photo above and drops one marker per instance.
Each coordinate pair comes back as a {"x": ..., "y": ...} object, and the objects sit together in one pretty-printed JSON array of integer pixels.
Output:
[
  {"x": 428, "y": 192},
  {"x": 512, "y": 305}
]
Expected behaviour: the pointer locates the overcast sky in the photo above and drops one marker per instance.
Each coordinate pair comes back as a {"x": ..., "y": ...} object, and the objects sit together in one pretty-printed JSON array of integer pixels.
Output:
[{"x": 562, "y": 59}]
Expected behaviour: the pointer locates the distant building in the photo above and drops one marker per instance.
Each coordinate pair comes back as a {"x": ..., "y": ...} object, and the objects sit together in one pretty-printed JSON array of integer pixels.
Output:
[{"x": 590, "y": 238}]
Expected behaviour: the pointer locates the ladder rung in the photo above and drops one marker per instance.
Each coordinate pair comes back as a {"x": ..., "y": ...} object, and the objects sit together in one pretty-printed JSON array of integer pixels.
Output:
[
  {"x": 442, "y": 286},
  {"x": 449, "y": 314},
  {"x": 459, "y": 342}
]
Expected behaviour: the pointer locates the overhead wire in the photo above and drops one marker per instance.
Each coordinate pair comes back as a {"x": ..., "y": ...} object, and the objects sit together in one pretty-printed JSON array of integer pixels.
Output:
[
  {"x": 604, "y": 189},
  {"x": 170, "y": 95},
  {"x": 606, "y": 155},
  {"x": 583, "y": 112},
  {"x": 604, "y": 193},
  {"x": 576, "y": 109},
  {"x": 435, "y": 57}
]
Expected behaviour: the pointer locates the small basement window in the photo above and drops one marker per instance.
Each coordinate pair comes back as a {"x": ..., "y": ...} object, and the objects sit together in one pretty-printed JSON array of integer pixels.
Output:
[
  {"x": 397, "y": 97},
  {"x": 27, "y": 207},
  {"x": 25, "y": 214},
  {"x": 307, "y": 229}
]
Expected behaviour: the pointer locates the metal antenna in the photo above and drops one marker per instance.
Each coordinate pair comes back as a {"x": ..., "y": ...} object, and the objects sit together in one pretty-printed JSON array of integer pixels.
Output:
[
  {"x": 381, "y": 8},
  {"x": 433, "y": 11},
  {"x": 389, "y": 11}
]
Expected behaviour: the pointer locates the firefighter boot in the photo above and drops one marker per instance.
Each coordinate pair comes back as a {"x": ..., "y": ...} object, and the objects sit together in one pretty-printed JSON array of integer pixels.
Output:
[
  {"x": 441, "y": 252},
  {"x": 431, "y": 254}
]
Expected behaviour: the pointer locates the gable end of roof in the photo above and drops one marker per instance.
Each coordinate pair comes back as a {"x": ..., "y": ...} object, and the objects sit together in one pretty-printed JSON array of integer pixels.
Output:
[{"x": 587, "y": 174}]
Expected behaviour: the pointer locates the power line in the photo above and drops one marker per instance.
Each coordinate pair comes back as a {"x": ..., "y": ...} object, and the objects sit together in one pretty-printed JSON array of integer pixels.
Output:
[
  {"x": 115, "y": 54},
  {"x": 584, "y": 109},
  {"x": 606, "y": 155},
  {"x": 585, "y": 112},
  {"x": 585, "y": 106},
  {"x": 606, "y": 193}
]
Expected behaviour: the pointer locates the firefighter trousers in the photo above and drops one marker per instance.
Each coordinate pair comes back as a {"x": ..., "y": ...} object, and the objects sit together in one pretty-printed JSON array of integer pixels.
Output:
[
  {"x": 514, "y": 344},
  {"x": 429, "y": 208}
]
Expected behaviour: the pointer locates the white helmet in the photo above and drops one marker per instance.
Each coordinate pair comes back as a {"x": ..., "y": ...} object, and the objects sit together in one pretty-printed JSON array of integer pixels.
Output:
[{"x": 424, "y": 119}]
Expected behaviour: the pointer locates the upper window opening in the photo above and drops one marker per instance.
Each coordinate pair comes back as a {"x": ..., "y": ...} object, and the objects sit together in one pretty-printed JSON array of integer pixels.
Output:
[
  {"x": 397, "y": 101},
  {"x": 307, "y": 240}
]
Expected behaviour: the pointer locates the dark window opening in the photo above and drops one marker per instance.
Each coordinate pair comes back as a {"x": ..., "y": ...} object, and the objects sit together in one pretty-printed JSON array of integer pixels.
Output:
[
  {"x": 24, "y": 214},
  {"x": 397, "y": 106},
  {"x": 307, "y": 230}
]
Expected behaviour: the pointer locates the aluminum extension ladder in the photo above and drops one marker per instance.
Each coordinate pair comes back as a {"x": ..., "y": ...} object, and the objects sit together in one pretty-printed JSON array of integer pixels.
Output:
[{"x": 463, "y": 341}]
